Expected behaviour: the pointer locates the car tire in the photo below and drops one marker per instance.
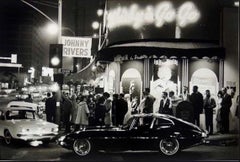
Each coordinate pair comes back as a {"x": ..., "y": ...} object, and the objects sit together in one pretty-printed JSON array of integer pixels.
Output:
[
  {"x": 7, "y": 137},
  {"x": 169, "y": 146},
  {"x": 82, "y": 147}
]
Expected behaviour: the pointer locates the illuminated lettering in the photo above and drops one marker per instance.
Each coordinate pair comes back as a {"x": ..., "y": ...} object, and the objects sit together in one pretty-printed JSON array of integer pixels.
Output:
[
  {"x": 160, "y": 14},
  {"x": 187, "y": 14}
]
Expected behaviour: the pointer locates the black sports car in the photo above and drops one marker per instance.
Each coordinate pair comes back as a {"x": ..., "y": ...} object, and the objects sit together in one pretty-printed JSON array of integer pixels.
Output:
[{"x": 142, "y": 132}]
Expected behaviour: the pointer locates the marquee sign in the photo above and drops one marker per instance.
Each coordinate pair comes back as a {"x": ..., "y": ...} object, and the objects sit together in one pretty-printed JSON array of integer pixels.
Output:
[
  {"x": 76, "y": 46},
  {"x": 128, "y": 20},
  {"x": 162, "y": 13}
]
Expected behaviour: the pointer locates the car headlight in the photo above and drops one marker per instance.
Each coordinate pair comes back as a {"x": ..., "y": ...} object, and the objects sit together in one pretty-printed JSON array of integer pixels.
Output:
[{"x": 24, "y": 130}]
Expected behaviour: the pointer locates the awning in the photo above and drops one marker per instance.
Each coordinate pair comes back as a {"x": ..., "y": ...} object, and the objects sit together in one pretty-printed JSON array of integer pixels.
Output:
[{"x": 156, "y": 49}]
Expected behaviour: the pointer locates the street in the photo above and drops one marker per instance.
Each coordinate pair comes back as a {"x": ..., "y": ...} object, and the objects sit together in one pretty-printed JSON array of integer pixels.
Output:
[
  {"x": 53, "y": 152},
  {"x": 20, "y": 150}
]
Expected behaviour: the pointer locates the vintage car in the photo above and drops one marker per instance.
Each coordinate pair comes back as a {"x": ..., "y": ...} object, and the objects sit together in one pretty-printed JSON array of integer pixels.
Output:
[
  {"x": 39, "y": 108},
  {"x": 165, "y": 133},
  {"x": 22, "y": 95},
  {"x": 22, "y": 123}
]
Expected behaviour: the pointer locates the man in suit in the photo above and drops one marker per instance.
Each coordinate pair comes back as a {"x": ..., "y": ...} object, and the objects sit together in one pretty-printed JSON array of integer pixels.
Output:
[
  {"x": 196, "y": 98},
  {"x": 122, "y": 108},
  {"x": 149, "y": 101},
  {"x": 165, "y": 105},
  {"x": 225, "y": 109},
  {"x": 209, "y": 105}
]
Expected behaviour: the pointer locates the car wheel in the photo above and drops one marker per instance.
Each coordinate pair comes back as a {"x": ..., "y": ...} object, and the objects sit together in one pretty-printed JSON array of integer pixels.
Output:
[
  {"x": 7, "y": 137},
  {"x": 82, "y": 147},
  {"x": 169, "y": 146}
]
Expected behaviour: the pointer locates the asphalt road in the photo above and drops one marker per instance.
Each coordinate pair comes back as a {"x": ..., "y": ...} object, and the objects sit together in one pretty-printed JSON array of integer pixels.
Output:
[{"x": 53, "y": 152}]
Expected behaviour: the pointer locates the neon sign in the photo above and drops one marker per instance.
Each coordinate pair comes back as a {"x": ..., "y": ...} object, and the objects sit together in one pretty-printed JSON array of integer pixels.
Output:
[{"x": 158, "y": 15}]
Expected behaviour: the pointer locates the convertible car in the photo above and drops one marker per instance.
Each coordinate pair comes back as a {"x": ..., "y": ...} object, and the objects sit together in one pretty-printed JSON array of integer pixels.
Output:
[
  {"x": 142, "y": 132},
  {"x": 22, "y": 123}
]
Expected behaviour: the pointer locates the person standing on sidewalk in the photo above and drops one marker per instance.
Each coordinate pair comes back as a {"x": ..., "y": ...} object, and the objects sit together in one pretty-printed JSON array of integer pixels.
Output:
[
  {"x": 122, "y": 109},
  {"x": 50, "y": 108},
  {"x": 218, "y": 114},
  {"x": 225, "y": 110},
  {"x": 196, "y": 99},
  {"x": 209, "y": 104},
  {"x": 114, "y": 109},
  {"x": 83, "y": 113},
  {"x": 108, "y": 105},
  {"x": 165, "y": 105},
  {"x": 66, "y": 109}
]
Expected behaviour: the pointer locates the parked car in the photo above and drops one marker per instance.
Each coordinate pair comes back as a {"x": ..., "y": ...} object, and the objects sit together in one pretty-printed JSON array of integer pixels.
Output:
[
  {"x": 37, "y": 107},
  {"x": 29, "y": 105},
  {"x": 22, "y": 95},
  {"x": 22, "y": 123},
  {"x": 165, "y": 133}
]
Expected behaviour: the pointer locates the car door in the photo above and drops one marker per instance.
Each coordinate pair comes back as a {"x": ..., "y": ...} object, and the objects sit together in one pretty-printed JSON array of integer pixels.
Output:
[{"x": 140, "y": 133}]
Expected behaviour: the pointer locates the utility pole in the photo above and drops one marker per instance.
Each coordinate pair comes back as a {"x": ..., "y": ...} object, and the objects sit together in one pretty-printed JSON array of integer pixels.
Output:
[{"x": 58, "y": 97}]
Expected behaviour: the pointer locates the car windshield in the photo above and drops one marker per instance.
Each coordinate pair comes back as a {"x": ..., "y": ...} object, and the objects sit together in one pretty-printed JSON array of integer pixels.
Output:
[{"x": 20, "y": 114}]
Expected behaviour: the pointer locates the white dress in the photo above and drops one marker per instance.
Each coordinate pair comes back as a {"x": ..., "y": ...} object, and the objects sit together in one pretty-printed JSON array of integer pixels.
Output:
[{"x": 82, "y": 114}]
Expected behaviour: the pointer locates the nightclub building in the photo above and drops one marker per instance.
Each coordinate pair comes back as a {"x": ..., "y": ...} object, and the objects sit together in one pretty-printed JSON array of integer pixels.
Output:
[{"x": 169, "y": 45}]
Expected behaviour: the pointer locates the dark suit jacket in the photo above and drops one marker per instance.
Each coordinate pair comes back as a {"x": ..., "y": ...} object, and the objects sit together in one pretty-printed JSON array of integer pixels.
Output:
[
  {"x": 197, "y": 101},
  {"x": 226, "y": 103}
]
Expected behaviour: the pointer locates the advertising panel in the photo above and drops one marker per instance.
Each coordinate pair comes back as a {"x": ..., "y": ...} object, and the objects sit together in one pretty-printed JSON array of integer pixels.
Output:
[
  {"x": 77, "y": 46},
  {"x": 161, "y": 19},
  {"x": 164, "y": 79}
]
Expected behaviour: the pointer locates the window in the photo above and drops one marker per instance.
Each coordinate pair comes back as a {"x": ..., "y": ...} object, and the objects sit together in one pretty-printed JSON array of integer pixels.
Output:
[
  {"x": 20, "y": 114},
  {"x": 163, "y": 122},
  {"x": 141, "y": 122}
]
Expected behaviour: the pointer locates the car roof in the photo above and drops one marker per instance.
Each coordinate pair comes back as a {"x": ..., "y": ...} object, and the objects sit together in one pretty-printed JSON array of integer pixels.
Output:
[
  {"x": 156, "y": 115},
  {"x": 16, "y": 108},
  {"x": 21, "y": 104}
]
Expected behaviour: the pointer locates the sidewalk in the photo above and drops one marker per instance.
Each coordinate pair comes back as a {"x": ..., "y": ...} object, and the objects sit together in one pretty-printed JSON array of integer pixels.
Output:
[{"x": 231, "y": 139}]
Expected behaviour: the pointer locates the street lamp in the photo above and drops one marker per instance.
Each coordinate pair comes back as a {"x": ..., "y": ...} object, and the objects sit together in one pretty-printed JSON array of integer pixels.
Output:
[
  {"x": 97, "y": 25},
  {"x": 52, "y": 28},
  {"x": 100, "y": 12}
]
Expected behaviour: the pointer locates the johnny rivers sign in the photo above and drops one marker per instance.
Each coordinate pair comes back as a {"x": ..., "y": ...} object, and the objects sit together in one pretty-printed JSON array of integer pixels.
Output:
[{"x": 76, "y": 46}]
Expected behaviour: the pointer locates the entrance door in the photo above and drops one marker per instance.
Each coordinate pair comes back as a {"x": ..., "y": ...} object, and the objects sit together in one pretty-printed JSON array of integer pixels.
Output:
[{"x": 205, "y": 79}]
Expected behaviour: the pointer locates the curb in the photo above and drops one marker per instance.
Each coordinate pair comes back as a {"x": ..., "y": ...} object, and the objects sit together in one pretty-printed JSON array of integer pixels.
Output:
[{"x": 223, "y": 140}]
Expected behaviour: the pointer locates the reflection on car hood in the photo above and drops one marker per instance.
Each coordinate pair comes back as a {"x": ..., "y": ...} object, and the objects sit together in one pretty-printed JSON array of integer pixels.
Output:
[{"x": 32, "y": 123}]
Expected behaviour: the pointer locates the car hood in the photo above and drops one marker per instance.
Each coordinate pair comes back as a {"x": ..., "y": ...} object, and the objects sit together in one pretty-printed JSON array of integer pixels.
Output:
[{"x": 32, "y": 124}]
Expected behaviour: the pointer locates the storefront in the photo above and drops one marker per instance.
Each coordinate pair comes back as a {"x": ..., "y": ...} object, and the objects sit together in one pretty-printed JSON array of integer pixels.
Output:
[
  {"x": 162, "y": 45},
  {"x": 141, "y": 65}
]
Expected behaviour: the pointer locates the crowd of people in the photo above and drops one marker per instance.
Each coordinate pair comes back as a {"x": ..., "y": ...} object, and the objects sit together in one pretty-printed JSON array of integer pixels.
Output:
[
  {"x": 79, "y": 111},
  {"x": 195, "y": 104}
]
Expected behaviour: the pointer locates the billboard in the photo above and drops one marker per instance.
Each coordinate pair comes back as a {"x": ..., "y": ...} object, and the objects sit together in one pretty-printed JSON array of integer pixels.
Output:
[
  {"x": 77, "y": 46},
  {"x": 161, "y": 19}
]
